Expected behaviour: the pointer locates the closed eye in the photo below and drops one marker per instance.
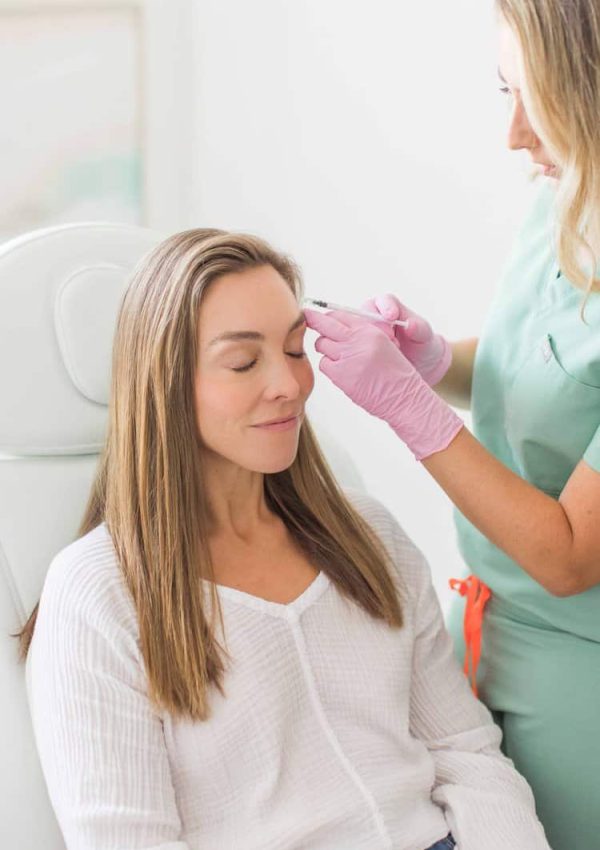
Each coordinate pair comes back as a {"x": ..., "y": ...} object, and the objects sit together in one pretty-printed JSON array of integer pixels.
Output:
[
  {"x": 245, "y": 368},
  {"x": 297, "y": 355}
]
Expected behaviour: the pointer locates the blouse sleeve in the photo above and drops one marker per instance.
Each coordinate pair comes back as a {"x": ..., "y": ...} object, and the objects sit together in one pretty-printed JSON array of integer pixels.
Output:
[
  {"x": 486, "y": 802},
  {"x": 100, "y": 741}
]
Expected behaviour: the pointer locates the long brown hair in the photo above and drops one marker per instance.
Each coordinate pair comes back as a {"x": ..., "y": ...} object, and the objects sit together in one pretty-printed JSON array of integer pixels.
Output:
[
  {"x": 560, "y": 44},
  {"x": 149, "y": 482}
]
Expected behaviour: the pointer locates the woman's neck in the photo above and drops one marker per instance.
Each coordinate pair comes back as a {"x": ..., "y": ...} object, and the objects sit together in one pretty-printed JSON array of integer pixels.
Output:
[{"x": 237, "y": 498}]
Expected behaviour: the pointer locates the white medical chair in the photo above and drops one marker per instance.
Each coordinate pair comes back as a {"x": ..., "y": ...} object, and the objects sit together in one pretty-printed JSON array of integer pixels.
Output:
[{"x": 60, "y": 290}]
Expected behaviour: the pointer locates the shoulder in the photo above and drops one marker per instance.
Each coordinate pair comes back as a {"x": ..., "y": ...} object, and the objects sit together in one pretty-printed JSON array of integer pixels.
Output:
[
  {"x": 380, "y": 518},
  {"x": 84, "y": 584},
  {"x": 86, "y": 637},
  {"x": 407, "y": 559}
]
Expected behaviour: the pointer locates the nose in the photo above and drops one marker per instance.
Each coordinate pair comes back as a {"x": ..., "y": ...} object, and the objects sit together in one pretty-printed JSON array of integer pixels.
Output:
[
  {"x": 520, "y": 131},
  {"x": 282, "y": 383}
]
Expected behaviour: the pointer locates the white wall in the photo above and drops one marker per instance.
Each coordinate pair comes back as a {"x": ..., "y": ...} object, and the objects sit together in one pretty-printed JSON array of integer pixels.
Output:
[{"x": 367, "y": 139}]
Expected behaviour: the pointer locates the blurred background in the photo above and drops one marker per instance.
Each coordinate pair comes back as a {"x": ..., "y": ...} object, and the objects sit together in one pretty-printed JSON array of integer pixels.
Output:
[{"x": 365, "y": 139}]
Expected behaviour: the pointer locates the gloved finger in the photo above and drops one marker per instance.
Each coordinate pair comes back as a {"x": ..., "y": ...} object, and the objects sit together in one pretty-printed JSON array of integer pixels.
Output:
[
  {"x": 328, "y": 347},
  {"x": 327, "y": 324},
  {"x": 351, "y": 320},
  {"x": 389, "y": 306},
  {"x": 327, "y": 367},
  {"x": 417, "y": 329},
  {"x": 371, "y": 307}
]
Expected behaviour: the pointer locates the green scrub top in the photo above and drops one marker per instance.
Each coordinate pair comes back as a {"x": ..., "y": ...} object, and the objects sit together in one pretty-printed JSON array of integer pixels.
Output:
[{"x": 536, "y": 407}]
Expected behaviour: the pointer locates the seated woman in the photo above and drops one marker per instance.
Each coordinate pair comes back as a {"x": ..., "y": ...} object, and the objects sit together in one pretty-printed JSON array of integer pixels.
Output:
[{"x": 234, "y": 653}]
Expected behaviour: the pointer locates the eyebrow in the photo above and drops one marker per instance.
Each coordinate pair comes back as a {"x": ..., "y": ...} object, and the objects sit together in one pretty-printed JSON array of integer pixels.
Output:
[
  {"x": 500, "y": 75},
  {"x": 241, "y": 336}
]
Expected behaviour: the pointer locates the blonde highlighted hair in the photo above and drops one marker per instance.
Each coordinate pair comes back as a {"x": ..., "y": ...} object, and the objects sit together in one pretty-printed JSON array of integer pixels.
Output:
[
  {"x": 560, "y": 44},
  {"x": 149, "y": 486}
]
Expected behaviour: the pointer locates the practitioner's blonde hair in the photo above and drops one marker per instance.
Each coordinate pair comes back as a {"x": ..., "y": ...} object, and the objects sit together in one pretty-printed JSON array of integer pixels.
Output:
[
  {"x": 150, "y": 487},
  {"x": 560, "y": 43}
]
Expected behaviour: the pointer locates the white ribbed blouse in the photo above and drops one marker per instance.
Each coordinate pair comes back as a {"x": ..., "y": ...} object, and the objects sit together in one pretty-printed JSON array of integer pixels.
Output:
[{"x": 336, "y": 732}]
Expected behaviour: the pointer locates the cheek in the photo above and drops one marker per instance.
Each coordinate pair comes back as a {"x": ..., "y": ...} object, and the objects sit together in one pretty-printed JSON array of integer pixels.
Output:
[
  {"x": 220, "y": 404},
  {"x": 548, "y": 155},
  {"x": 305, "y": 377}
]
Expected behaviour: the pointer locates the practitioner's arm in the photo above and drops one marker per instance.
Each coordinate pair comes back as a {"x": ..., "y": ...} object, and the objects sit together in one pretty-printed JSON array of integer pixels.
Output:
[
  {"x": 455, "y": 386},
  {"x": 556, "y": 541}
]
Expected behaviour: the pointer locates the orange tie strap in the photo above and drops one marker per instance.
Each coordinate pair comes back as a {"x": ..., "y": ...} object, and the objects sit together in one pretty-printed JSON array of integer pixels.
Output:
[{"x": 477, "y": 594}]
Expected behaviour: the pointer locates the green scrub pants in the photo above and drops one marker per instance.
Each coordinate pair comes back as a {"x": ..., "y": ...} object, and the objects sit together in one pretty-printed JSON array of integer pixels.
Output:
[{"x": 543, "y": 688}]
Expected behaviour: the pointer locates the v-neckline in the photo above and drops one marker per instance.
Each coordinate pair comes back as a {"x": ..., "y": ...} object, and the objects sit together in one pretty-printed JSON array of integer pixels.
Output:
[{"x": 278, "y": 609}]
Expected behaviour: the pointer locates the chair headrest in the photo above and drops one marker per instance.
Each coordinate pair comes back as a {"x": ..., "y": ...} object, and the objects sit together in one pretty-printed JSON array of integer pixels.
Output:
[{"x": 60, "y": 293}]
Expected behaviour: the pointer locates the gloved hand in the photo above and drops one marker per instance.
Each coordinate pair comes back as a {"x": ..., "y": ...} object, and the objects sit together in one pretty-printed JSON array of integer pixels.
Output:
[
  {"x": 367, "y": 366},
  {"x": 429, "y": 353}
]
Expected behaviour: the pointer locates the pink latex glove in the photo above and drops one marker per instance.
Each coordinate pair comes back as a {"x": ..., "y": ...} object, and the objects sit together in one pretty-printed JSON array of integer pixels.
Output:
[
  {"x": 429, "y": 353},
  {"x": 367, "y": 366}
]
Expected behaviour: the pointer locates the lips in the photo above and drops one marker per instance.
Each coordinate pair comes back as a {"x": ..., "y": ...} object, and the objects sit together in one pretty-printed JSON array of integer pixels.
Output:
[
  {"x": 280, "y": 421},
  {"x": 547, "y": 167}
]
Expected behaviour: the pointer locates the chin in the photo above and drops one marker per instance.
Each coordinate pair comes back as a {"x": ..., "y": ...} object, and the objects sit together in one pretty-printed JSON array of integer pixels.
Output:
[
  {"x": 272, "y": 454},
  {"x": 271, "y": 462},
  {"x": 275, "y": 465}
]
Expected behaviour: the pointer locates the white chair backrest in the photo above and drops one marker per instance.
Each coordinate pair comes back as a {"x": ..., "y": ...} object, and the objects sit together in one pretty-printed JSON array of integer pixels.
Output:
[{"x": 60, "y": 290}]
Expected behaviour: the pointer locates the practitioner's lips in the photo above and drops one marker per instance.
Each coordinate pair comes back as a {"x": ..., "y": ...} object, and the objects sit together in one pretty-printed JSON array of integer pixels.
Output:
[{"x": 548, "y": 168}]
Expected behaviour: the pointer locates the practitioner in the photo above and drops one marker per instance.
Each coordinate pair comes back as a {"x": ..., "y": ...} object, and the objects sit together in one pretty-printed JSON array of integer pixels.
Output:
[{"x": 527, "y": 483}]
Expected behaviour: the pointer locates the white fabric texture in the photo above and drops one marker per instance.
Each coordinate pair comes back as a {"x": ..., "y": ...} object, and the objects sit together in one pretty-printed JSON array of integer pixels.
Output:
[{"x": 336, "y": 731}]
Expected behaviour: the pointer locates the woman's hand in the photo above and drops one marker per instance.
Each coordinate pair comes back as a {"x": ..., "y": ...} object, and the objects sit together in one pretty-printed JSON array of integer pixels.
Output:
[
  {"x": 360, "y": 359},
  {"x": 429, "y": 353}
]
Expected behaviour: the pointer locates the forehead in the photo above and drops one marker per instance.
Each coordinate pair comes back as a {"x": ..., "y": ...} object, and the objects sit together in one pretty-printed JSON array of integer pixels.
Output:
[
  {"x": 255, "y": 299},
  {"x": 509, "y": 54}
]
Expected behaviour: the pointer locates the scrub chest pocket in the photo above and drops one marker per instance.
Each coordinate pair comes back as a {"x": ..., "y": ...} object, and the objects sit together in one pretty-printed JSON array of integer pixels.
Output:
[{"x": 551, "y": 418}]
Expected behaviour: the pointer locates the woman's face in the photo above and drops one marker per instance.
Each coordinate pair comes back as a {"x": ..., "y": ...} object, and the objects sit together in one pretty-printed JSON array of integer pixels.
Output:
[
  {"x": 252, "y": 376},
  {"x": 521, "y": 134}
]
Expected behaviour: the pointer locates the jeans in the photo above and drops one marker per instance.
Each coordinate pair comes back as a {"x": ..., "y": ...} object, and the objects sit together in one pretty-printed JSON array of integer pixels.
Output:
[{"x": 447, "y": 843}]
